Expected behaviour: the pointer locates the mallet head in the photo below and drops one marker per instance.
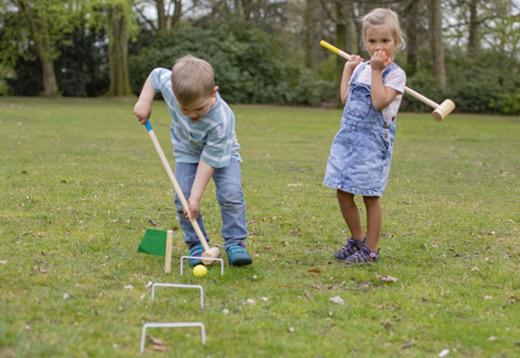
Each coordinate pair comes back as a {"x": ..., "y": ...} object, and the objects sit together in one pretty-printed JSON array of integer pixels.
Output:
[
  {"x": 443, "y": 110},
  {"x": 212, "y": 253}
]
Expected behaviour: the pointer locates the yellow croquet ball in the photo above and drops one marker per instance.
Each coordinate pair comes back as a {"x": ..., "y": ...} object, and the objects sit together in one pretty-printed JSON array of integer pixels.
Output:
[{"x": 200, "y": 271}]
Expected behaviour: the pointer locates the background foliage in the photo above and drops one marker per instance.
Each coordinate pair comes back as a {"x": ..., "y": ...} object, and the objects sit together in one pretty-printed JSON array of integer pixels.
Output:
[
  {"x": 263, "y": 51},
  {"x": 250, "y": 66}
]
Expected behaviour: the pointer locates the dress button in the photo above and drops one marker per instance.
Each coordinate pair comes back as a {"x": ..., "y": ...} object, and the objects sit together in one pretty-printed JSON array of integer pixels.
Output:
[{"x": 386, "y": 135}]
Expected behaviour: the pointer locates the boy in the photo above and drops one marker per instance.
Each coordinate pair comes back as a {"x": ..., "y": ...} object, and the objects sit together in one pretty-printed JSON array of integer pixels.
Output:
[{"x": 203, "y": 135}]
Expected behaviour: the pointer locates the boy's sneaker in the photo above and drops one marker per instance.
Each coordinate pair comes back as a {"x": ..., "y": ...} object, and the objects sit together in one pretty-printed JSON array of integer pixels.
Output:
[
  {"x": 196, "y": 250},
  {"x": 348, "y": 249},
  {"x": 237, "y": 255},
  {"x": 363, "y": 256}
]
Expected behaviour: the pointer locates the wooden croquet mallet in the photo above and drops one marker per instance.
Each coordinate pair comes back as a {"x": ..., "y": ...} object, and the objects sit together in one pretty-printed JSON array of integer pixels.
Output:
[
  {"x": 212, "y": 252},
  {"x": 168, "y": 252},
  {"x": 440, "y": 110}
]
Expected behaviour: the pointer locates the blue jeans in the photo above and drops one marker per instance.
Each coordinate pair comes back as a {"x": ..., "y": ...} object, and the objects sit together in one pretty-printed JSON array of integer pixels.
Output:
[{"x": 229, "y": 195}]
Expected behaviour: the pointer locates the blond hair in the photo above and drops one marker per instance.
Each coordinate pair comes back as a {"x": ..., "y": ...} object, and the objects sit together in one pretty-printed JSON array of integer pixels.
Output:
[
  {"x": 381, "y": 16},
  {"x": 192, "y": 78}
]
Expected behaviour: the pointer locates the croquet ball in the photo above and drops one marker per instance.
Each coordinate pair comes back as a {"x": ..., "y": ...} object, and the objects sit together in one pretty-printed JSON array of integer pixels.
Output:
[{"x": 200, "y": 271}]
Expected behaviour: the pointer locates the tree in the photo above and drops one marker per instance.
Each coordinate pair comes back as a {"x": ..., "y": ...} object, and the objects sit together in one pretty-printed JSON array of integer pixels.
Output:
[
  {"x": 44, "y": 22},
  {"x": 342, "y": 15},
  {"x": 437, "y": 45},
  {"x": 168, "y": 13},
  {"x": 117, "y": 18}
]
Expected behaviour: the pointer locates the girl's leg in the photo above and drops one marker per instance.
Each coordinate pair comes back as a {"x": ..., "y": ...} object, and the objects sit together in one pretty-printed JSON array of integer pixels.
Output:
[
  {"x": 350, "y": 213},
  {"x": 374, "y": 220}
]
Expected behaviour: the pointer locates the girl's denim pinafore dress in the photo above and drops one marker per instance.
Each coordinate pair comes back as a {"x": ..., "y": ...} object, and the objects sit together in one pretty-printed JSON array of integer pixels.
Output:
[{"x": 359, "y": 161}]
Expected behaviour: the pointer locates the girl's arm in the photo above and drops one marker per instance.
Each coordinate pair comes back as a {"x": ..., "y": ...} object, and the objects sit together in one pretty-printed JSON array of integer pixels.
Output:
[
  {"x": 348, "y": 69},
  {"x": 381, "y": 96}
]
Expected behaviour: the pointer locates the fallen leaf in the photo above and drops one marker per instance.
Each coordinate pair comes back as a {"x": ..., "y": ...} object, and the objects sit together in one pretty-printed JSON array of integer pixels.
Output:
[
  {"x": 338, "y": 300},
  {"x": 3, "y": 262},
  {"x": 250, "y": 301},
  {"x": 364, "y": 285},
  {"x": 388, "y": 279},
  {"x": 314, "y": 270},
  {"x": 156, "y": 341},
  {"x": 444, "y": 353},
  {"x": 407, "y": 344},
  {"x": 157, "y": 345}
]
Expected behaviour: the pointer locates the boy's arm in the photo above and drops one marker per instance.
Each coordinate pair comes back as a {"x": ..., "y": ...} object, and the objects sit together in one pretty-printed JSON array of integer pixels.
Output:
[
  {"x": 143, "y": 107},
  {"x": 204, "y": 173}
]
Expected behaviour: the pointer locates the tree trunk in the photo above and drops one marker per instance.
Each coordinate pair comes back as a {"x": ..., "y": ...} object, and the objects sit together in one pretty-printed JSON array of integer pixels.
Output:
[
  {"x": 118, "y": 51},
  {"x": 356, "y": 28},
  {"x": 39, "y": 30},
  {"x": 50, "y": 86},
  {"x": 311, "y": 32},
  {"x": 439, "y": 70},
  {"x": 412, "y": 44},
  {"x": 161, "y": 16},
  {"x": 177, "y": 13},
  {"x": 341, "y": 40},
  {"x": 473, "y": 40}
]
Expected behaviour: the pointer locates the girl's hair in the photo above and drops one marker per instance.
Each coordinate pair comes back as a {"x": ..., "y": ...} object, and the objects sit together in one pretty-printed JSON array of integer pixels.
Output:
[
  {"x": 381, "y": 16},
  {"x": 192, "y": 78}
]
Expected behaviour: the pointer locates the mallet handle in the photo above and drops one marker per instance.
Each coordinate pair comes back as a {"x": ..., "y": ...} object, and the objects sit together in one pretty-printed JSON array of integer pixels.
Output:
[
  {"x": 408, "y": 90},
  {"x": 175, "y": 184}
]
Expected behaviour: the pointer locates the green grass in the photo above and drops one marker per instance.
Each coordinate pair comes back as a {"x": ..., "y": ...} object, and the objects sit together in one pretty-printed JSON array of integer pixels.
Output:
[{"x": 80, "y": 181}]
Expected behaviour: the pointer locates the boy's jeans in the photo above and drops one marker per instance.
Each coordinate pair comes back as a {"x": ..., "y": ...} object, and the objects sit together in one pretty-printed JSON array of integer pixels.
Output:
[{"x": 229, "y": 195}]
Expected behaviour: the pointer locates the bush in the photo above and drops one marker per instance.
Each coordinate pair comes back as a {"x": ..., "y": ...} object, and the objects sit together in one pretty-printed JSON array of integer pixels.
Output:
[
  {"x": 250, "y": 65},
  {"x": 485, "y": 83}
]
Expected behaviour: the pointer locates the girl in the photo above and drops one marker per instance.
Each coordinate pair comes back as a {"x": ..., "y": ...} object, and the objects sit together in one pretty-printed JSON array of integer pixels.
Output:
[{"x": 361, "y": 152}]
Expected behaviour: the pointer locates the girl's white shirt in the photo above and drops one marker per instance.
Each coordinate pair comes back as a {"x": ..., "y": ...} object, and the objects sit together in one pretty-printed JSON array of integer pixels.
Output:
[{"x": 395, "y": 79}]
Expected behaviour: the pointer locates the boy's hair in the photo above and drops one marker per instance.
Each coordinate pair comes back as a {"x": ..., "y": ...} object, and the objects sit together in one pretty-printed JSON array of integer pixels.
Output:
[
  {"x": 192, "y": 78},
  {"x": 381, "y": 16}
]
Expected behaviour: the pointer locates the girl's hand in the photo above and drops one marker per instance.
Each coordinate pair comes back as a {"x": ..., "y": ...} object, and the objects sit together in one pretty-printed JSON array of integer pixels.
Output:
[
  {"x": 194, "y": 209},
  {"x": 379, "y": 60},
  {"x": 353, "y": 62},
  {"x": 142, "y": 111}
]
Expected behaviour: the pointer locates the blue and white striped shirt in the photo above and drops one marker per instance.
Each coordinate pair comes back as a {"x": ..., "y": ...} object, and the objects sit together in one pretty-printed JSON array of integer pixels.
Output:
[{"x": 211, "y": 138}]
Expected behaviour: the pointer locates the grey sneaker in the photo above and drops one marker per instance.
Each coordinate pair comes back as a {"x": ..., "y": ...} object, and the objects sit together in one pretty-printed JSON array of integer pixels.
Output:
[
  {"x": 350, "y": 247},
  {"x": 363, "y": 256}
]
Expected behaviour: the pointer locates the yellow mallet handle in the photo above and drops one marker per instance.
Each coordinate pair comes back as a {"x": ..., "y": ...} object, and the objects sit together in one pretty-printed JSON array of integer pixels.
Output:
[
  {"x": 440, "y": 110},
  {"x": 334, "y": 49}
]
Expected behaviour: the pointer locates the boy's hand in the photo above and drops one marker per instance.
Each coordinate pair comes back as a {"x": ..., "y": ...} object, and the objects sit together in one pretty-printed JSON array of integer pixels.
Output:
[
  {"x": 194, "y": 209},
  {"x": 353, "y": 62},
  {"x": 142, "y": 111},
  {"x": 379, "y": 60}
]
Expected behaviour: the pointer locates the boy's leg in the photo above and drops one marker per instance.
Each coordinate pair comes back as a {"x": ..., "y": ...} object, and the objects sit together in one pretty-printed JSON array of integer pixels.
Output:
[
  {"x": 185, "y": 175},
  {"x": 231, "y": 199},
  {"x": 374, "y": 220},
  {"x": 233, "y": 209},
  {"x": 350, "y": 213}
]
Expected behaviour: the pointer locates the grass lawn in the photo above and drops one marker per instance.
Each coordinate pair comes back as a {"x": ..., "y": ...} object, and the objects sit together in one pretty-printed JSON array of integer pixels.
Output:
[{"x": 80, "y": 182}]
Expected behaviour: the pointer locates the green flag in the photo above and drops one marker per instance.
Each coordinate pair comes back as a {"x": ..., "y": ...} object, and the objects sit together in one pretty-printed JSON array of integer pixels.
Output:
[{"x": 153, "y": 242}]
